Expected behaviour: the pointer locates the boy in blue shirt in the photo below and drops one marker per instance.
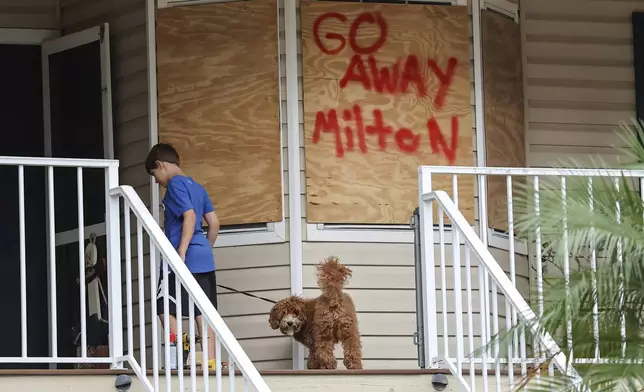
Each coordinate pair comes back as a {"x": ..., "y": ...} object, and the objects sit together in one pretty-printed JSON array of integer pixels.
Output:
[{"x": 185, "y": 203}]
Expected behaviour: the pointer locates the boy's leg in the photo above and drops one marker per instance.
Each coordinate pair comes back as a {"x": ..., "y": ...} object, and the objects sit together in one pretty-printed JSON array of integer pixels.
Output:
[
  {"x": 211, "y": 338},
  {"x": 172, "y": 309},
  {"x": 208, "y": 283},
  {"x": 172, "y": 323}
]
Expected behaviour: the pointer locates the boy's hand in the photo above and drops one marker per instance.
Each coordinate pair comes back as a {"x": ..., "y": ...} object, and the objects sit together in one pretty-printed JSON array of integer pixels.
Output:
[{"x": 182, "y": 254}]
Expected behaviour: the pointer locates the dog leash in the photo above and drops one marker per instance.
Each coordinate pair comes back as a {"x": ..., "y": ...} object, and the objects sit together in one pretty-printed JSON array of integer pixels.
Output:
[{"x": 247, "y": 294}]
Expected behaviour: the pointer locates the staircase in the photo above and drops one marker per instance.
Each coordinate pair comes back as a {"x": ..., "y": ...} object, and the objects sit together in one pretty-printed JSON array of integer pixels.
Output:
[
  {"x": 278, "y": 381},
  {"x": 485, "y": 290},
  {"x": 448, "y": 346}
]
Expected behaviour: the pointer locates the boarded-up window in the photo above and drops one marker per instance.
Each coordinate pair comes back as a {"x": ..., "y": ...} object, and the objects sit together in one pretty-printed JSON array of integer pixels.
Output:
[
  {"x": 504, "y": 124},
  {"x": 218, "y": 103},
  {"x": 386, "y": 89}
]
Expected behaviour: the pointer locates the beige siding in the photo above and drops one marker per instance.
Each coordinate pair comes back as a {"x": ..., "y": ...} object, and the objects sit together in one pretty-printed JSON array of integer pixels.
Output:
[
  {"x": 263, "y": 270},
  {"x": 580, "y": 83},
  {"x": 383, "y": 288},
  {"x": 29, "y": 14}
]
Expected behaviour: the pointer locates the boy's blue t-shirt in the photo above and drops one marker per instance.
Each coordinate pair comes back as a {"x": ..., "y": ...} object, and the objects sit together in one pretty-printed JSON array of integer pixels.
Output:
[{"x": 184, "y": 194}]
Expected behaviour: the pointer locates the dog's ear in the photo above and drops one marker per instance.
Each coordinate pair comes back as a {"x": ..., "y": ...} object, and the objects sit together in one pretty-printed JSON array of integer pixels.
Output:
[
  {"x": 272, "y": 318},
  {"x": 301, "y": 311}
]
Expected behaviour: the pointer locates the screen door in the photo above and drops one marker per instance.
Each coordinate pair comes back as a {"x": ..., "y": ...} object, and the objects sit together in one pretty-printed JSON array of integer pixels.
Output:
[{"x": 77, "y": 107}]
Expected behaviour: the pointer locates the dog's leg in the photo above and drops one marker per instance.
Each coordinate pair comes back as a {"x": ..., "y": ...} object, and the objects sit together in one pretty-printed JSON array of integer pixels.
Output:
[
  {"x": 312, "y": 361},
  {"x": 350, "y": 338},
  {"x": 352, "y": 352},
  {"x": 323, "y": 339},
  {"x": 324, "y": 355}
]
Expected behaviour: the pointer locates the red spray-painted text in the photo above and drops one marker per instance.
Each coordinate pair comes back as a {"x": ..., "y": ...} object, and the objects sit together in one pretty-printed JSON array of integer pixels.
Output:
[
  {"x": 405, "y": 139},
  {"x": 399, "y": 78}
]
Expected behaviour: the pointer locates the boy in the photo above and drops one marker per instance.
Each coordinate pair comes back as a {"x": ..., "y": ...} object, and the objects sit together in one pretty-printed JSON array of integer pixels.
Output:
[{"x": 184, "y": 204}]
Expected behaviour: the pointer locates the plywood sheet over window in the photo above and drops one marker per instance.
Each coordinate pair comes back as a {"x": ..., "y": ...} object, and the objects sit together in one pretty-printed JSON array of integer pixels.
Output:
[
  {"x": 386, "y": 89},
  {"x": 504, "y": 125},
  {"x": 218, "y": 103}
]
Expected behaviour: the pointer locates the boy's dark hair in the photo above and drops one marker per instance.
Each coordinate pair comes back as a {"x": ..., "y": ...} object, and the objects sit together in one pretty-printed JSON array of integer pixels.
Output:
[{"x": 161, "y": 152}]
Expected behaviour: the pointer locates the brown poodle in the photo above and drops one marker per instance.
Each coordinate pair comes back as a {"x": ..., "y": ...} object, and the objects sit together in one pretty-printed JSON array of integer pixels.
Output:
[{"x": 321, "y": 322}]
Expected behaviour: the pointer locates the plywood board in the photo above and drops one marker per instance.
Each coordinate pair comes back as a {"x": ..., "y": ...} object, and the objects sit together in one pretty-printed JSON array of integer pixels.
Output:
[
  {"x": 218, "y": 103},
  {"x": 386, "y": 90},
  {"x": 504, "y": 110}
]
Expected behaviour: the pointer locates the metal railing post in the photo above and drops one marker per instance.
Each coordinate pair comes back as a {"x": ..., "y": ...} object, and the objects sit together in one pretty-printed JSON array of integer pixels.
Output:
[
  {"x": 419, "y": 335},
  {"x": 426, "y": 222},
  {"x": 114, "y": 279}
]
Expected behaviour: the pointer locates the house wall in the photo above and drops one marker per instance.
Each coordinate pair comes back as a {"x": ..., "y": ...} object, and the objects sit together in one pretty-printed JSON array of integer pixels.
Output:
[
  {"x": 383, "y": 284},
  {"x": 578, "y": 62},
  {"x": 260, "y": 269},
  {"x": 263, "y": 270},
  {"x": 29, "y": 14}
]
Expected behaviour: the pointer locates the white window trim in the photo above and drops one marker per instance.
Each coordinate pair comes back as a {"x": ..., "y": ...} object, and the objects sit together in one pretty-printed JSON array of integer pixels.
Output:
[
  {"x": 273, "y": 232},
  {"x": 177, "y": 3},
  {"x": 401, "y": 234},
  {"x": 503, "y": 7}
]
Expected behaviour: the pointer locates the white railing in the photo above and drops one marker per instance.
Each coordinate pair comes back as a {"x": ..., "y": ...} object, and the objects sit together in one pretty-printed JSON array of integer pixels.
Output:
[
  {"x": 132, "y": 351},
  {"x": 477, "y": 307},
  {"x": 50, "y": 169},
  {"x": 236, "y": 356}
]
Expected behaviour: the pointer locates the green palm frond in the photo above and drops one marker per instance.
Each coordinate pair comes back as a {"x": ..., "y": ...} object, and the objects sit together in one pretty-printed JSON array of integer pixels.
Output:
[{"x": 605, "y": 215}]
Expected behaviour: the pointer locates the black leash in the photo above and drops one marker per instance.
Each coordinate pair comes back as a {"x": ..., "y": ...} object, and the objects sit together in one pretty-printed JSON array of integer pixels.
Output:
[{"x": 247, "y": 294}]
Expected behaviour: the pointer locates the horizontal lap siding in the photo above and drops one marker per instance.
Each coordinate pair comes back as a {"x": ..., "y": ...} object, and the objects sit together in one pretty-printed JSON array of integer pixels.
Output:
[
  {"x": 263, "y": 270},
  {"x": 29, "y": 14},
  {"x": 383, "y": 289},
  {"x": 580, "y": 80}
]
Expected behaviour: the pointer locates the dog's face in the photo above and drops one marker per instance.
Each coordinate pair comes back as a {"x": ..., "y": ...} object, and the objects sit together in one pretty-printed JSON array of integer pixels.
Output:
[{"x": 288, "y": 315}]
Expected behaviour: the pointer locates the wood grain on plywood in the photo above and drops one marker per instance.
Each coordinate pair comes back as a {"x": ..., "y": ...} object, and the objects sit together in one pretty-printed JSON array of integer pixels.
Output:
[
  {"x": 218, "y": 103},
  {"x": 376, "y": 182},
  {"x": 504, "y": 117}
]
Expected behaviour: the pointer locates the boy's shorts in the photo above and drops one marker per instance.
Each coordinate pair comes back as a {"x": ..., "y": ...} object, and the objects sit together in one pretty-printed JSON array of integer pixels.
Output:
[{"x": 206, "y": 280}]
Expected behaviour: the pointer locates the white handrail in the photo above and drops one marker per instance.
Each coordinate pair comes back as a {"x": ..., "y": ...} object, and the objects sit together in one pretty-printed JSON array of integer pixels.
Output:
[
  {"x": 528, "y": 172},
  {"x": 58, "y": 162},
  {"x": 191, "y": 286},
  {"x": 503, "y": 282}
]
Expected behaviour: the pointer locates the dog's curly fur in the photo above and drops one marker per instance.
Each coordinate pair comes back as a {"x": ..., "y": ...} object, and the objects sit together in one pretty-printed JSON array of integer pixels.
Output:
[{"x": 320, "y": 323}]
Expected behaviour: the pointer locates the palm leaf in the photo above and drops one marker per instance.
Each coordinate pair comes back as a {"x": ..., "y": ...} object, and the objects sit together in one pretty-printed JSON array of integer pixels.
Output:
[{"x": 605, "y": 215}]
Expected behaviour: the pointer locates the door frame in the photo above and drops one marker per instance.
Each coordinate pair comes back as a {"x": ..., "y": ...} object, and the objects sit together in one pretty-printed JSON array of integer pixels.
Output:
[{"x": 98, "y": 33}]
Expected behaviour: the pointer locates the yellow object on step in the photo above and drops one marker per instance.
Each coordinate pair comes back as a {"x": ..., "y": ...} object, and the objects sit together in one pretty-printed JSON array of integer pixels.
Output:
[{"x": 213, "y": 363}]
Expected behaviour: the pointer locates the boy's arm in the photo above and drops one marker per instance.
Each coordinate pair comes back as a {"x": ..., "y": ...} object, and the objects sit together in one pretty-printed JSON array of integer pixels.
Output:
[
  {"x": 213, "y": 226},
  {"x": 187, "y": 231},
  {"x": 177, "y": 199}
]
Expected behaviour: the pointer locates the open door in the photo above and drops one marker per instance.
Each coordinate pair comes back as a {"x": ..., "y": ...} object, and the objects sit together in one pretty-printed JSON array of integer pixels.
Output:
[{"x": 77, "y": 105}]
